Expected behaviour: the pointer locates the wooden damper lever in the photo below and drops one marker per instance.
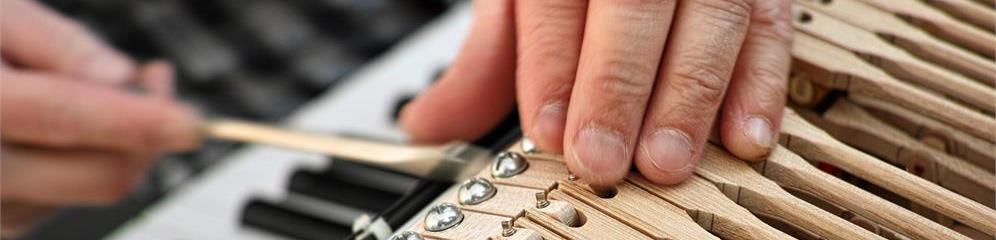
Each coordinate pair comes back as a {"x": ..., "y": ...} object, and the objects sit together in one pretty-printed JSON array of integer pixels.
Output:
[{"x": 449, "y": 162}]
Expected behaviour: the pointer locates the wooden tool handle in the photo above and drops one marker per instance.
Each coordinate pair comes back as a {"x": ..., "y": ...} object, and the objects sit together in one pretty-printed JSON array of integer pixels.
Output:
[{"x": 415, "y": 160}]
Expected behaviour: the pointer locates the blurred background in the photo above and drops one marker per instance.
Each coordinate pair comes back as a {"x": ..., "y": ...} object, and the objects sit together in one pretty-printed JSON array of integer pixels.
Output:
[{"x": 251, "y": 59}]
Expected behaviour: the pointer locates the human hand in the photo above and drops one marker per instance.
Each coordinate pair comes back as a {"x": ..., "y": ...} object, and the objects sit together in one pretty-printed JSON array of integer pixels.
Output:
[
  {"x": 612, "y": 84},
  {"x": 70, "y": 133}
]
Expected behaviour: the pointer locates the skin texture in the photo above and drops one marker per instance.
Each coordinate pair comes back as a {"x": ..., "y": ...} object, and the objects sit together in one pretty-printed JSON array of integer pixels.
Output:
[
  {"x": 71, "y": 133},
  {"x": 614, "y": 84}
]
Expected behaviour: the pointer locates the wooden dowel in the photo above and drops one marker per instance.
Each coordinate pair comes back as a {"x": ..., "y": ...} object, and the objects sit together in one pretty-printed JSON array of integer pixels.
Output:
[
  {"x": 969, "y": 11},
  {"x": 791, "y": 171},
  {"x": 813, "y": 143},
  {"x": 760, "y": 195},
  {"x": 913, "y": 39},
  {"x": 837, "y": 68},
  {"x": 935, "y": 21},
  {"x": 893, "y": 59}
]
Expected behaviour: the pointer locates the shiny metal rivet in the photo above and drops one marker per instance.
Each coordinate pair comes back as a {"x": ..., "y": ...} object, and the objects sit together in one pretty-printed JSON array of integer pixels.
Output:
[
  {"x": 443, "y": 216},
  {"x": 572, "y": 177},
  {"x": 541, "y": 201},
  {"x": 508, "y": 164},
  {"x": 528, "y": 146},
  {"x": 476, "y": 190},
  {"x": 406, "y": 235},
  {"x": 506, "y": 228}
]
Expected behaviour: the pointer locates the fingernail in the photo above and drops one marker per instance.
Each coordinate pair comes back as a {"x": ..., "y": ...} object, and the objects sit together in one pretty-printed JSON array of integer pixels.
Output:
[
  {"x": 669, "y": 150},
  {"x": 548, "y": 127},
  {"x": 758, "y": 132},
  {"x": 109, "y": 68},
  {"x": 601, "y": 154}
]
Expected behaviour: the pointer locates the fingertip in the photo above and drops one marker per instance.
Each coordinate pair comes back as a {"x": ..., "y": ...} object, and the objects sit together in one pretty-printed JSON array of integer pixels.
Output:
[
  {"x": 548, "y": 128},
  {"x": 666, "y": 156},
  {"x": 599, "y": 156},
  {"x": 106, "y": 66},
  {"x": 749, "y": 138},
  {"x": 157, "y": 76},
  {"x": 179, "y": 129}
]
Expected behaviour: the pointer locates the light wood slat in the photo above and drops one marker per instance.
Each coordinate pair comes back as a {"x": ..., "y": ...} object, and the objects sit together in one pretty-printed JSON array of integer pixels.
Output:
[
  {"x": 893, "y": 59},
  {"x": 813, "y": 143},
  {"x": 529, "y": 224},
  {"x": 912, "y": 38},
  {"x": 837, "y": 68},
  {"x": 475, "y": 226},
  {"x": 955, "y": 142},
  {"x": 750, "y": 189},
  {"x": 508, "y": 201},
  {"x": 641, "y": 210},
  {"x": 711, "y": 209},
  {"x": 941, "y": 24},
  {"x": 596, "y": 225},
  {"x": 874, "y": 136},
  {"x": 540, "y": 174},
  {"x": 968, "y": 11},
  {"x": 790, "y": 170}
]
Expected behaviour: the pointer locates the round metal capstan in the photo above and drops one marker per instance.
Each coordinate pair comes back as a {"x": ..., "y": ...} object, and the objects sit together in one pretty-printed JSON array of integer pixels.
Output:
[
  {"x": 528, "y": 146},
  {"x": 443, "y": 216},
  {"x": 508, "y": 164},
  {"x": 476, "y": 190},
  {"x": 406, "y": 235}
]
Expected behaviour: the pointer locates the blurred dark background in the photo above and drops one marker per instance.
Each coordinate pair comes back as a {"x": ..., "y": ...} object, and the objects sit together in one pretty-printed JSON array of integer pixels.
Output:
[{"x": 249, "y": 59}]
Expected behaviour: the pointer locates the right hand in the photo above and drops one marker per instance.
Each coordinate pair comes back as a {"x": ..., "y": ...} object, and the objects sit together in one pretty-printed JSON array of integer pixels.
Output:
[{"x": 70, "y": 134}]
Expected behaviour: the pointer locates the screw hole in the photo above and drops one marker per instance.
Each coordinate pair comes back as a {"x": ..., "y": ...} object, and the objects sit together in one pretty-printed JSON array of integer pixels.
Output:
[
  {"x": 804, "y": 17},
  {"x": 604, "y": 192}
]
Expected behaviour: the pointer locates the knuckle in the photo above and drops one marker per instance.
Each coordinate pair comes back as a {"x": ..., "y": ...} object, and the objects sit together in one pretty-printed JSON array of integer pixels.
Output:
[
  {"x": 623, "y": 81},
  {"x": 700, "y": 83},
  {"x": 774, "y": 19},
  {"x": 735, "y": 12}
]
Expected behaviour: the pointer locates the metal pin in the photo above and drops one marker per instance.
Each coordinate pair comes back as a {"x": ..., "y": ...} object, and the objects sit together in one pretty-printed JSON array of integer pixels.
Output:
[
  {"x": 528, "y": 146},
  {"x": 572, "y": 177},
  {"x": 508, "y": 164},
  {"x": 406, "y": 235},
  {"x": 541, "y": 200},
  {"x": 475, "y": 191},
  {"x": 443, "y": 216},
  {"x": 506, "y": 228}
]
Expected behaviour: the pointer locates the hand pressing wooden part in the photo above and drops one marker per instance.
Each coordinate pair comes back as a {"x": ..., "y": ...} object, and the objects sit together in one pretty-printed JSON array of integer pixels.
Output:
[
  {"x": 939, "y": 23},
  {"x": 815, "y": 144},
  {"x": 711, "y": 209},
  {"x": 834, "y": 67},
  {"x": 595, "y": 224},
  {"x": 931, "y": 132},
  {"x": 452, "y": 162},
  {"x": 641, "y": 210},
  {"x": 760, "y": 195},
  {"x": 893, "y": 59},
  {"x": 858, "y": 128},
  {"x": 969, "y": 11},
  {"x": 913, "y": 39},
  {"x": 791, "y": 171}
]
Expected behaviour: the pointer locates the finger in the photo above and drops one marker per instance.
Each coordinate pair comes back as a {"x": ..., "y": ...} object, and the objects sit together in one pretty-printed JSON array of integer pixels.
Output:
[
  {"x": 48, "y": 110},
  {"x": 50, "y": 177},
  {"x": 17, "y": 218},
  {"x": 477, "y": 91},
  {"x": 549, "y": 42},
  {"x": 37, "y": 37},
  {"x": 752, "y": 110},
  {"x": 157, "y": 77},
  {"x": 623, "y": 43},
  {"x": 696, "y": 69}
]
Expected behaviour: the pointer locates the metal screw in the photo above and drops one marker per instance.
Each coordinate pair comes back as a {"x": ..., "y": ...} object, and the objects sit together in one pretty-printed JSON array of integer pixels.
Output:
[
  {"x": 443, "y": 216},
  {"x": 406, "y": 235},
  {"x": 541, "y": 201},
  {"x": 508, "y": 164},
  {"x": 506, "y": 228},
  {"x": 528, "y": 146},
  {"x": 475, "y": 191}
]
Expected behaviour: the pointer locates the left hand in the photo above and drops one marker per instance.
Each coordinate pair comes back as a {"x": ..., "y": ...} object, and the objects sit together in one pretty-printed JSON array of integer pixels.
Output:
[{"x": 618, "y": 83}]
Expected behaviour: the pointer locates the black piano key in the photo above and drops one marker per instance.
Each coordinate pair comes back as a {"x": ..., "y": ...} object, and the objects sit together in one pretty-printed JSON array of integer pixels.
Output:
[
  {"x": 282, "y": 221},
  {"x": 276, "y": 27},
  {"x": 338, "y": 191},
  {"x": 196, "y": 51}
]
